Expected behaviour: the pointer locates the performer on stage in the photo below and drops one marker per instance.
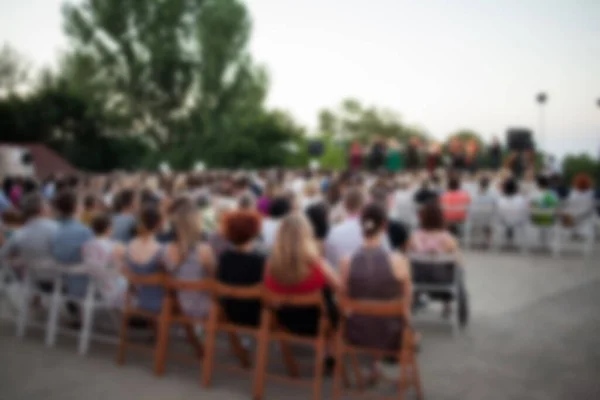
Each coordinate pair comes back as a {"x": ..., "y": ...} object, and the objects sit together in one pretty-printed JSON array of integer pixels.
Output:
[
  {"x": 356, "y": 156},
  {"x": 434, "y": 157},
  {"x": 412, "y": 154},
  {"x": 457, "y": 155},
  {"x": 377, "y": 156},
  {"x": 495, "y": 154},
  {"x": 471, "y": 150},
  {"x": 394, "y": 160}
]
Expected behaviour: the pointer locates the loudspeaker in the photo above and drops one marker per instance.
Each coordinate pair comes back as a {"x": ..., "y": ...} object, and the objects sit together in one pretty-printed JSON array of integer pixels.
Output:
[
  {"x": 519, "y": 139},
  {"x": 315, "y": 148}
]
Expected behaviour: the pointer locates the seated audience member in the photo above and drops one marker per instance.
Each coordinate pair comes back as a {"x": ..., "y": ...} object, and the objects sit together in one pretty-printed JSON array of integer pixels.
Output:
[
  {"x": 144, "y": 256},
  {"x": 264, "y": 202},
  {"x": 455, "y": 202},
  {"x": 544, "y": 198},
  {"x": 397, "y": 234},
  {"x": 102, "y": 253},
  {"x": 124, "y": 222},
  {"x": 68, "y": 242},
  {"x": 311, "y": 194},
  {"x": 335, "y": 203},
  {"x": 280, "y": 207},
  {"x": 241, "y": 265},
  {"x": 404, "y": 208},
  {"x": 580, "y": 203},
  {"x": 187, "y": 258},
  {"x": 345, "y": 238},
  {"x": 217, "y": 239},
  {"x": 33, "y": 241},
  {"x": 433, "y": 237},
  {"x": 374, "y": 273},
  {"x": 512, "y": 206},
  {"x": 426, "y": 193},
  {"x": 484, "y": 197},
  {"x": 318, "y": 216},
  {"x": 12, "y": 220},
  {"x": 295, "y": 267},
  {"x": 247, "y": 201},
  {"x": 91, "y": 207}
]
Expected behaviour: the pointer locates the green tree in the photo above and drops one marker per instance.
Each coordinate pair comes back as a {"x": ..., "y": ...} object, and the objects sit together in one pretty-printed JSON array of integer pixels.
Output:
[
  {"x": 14, "y": 70},
  {"x": 465, "y": 135},
  {"x": 580, "y": 164}
]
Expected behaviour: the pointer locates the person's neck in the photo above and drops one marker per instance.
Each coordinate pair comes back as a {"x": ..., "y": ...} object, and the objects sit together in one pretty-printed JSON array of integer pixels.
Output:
[
  {"x": 246, "y": 247},
  {"x": 373, "y": 242},
  {"x": 146, "y": 237}
]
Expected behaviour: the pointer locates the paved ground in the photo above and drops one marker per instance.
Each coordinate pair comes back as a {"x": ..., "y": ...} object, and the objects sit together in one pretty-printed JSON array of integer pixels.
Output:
[{"x": 535, "y": 334}]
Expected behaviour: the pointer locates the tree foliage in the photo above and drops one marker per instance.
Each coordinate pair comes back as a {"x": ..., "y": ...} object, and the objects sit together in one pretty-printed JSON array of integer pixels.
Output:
[
  {"x": 354, "y": 121},
  {"x": 580, "y": 164},
  {"x": 14, "y": 70}
]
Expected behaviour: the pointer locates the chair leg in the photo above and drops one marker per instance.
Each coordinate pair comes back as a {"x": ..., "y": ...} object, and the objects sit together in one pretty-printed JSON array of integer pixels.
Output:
[
  {"x": 319, "y": 358},
  {"x": 239, "y": 351},
  {"x": 87, "y": 324},
  {"x": 262, "y": 355},
  {"x": 339, "y": 367},
  {"x": 208, "y": 363},
  {"x": 123, "y": 338},
  {"x": 54, "y": 314},
  {"x": 162, "y": 337},
  {"x": 288, "y": 359},
  {"x": 23, "y": 318}
]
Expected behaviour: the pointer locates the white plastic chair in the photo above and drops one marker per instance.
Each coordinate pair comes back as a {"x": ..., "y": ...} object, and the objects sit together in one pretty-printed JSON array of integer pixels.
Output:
[
  {"x": 479, "y": 218},
  {"x": 8, "y": 279},
  {"x": 582, "y": 226}
]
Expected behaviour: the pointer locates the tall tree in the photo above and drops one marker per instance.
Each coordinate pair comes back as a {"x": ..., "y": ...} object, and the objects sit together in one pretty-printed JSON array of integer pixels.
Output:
[{"x": 14, "y": 70}]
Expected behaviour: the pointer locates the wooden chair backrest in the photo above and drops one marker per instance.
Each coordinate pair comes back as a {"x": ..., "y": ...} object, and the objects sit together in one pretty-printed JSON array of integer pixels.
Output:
[
  {"x": 200, "y": 285},
  {"x": 372, "y": 308},
  {"x": 158, "y": 279},
  {"x": 276, "y": 300},
  {"x": 254, "y": 292}
]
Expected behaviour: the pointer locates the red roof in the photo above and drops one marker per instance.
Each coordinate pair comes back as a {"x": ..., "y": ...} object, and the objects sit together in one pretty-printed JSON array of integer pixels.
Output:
[{"x": 47, "y": 161}]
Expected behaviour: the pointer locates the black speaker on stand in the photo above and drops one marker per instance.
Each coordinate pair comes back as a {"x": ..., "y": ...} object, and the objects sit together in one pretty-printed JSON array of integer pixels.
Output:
[{"x": 519, "y": 139}]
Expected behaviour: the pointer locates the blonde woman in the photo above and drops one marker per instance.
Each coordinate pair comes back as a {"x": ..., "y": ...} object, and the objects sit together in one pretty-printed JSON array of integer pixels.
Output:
[
  {"x": 187, "y": 258},
  {"x": 295, "y": 267}
]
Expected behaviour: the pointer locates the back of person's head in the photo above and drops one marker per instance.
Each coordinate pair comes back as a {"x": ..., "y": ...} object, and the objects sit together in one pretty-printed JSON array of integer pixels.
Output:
[
  {"x": 149, "y": 220},
  {"x": 187, "y": 227},
  {"x": 65, "y": 203},
  {"x": 293, "y": 251},
  {"x": 12, "y": 217},
  {"x": 583, "y": 182},
  {"x": 32, "y": 206},
  {"x": 241, "y": 227},
  {"x": 453, "y": 182},
  {"x": 124, "y": 200},
  {"x": 510, "y": 187},
  {"x": 29, "y": 186},
  {"x": 373, "y": 220},
  {"x": 89, "y": 202},
  {"x": 318, "y": 216},
  {"x": 72, "y": 182},
  {"x": 7, "y": 184},
  {"x": 431, "y": 216},
  {"x": 354, "y": 201},
  {"x": 484, "y": 183},
  {"x": 101, "y": 224},
  {"x": 279, "y": 207},
  {"x": 543, "y": 182},
  {"x": 246, "y": 202}
]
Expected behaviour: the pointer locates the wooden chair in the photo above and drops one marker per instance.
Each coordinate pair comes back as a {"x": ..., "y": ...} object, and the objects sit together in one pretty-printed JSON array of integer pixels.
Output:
[
  {"x": 271, "y": 329},
  {"x": 219, "y": 322},
  {"x": 409, "y": 370},
  {"x": 172, "y": 313},
  {"x": 131, "y": 310}
]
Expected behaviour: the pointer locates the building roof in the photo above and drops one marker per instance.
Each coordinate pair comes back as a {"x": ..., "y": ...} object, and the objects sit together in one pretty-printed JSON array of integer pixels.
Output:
[{"x": 47, "y": 161}]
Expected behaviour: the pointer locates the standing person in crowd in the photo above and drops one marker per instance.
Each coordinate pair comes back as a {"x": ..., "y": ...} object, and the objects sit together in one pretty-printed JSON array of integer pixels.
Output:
[
  {"x": 495, "y": 154},
  {"x": 241, "y": 265},
  {"x": 124, "y": 222},
  {"x": 374, "y": 273},
  {"x": 188, "y": 259},
  {"x": 412, "y": 154},
  {"x": 68, "y": 242},
  {"x": 334, "y": 202},
  {"x": 280, "y": 207},
  {"x": 295, "y": 267}
]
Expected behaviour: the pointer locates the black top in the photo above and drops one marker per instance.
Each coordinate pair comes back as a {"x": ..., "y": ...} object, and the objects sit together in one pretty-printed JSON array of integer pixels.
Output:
[
  {"x": 398, "y": 234},
  {"x": 241, "y": 269}
]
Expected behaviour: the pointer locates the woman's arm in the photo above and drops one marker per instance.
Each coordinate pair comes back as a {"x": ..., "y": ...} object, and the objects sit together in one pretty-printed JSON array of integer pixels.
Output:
[
  {"x": 331, "y": 275},
  {"x": 207, "y": 258},
  {"x": 344, "y": 268},
  {"x": 401, "y": 271}
]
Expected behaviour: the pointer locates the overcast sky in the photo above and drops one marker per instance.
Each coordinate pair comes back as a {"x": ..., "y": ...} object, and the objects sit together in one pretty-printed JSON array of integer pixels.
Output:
[{"x": 442, "y": 65}]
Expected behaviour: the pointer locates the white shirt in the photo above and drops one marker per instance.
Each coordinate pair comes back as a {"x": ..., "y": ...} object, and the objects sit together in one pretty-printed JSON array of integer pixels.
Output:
[
  {"x": 345, "y": 239},
  {"x": 512, "y": 210},
  {"x": 269, "y": 232},
  {"x": 404, "y": 208}
]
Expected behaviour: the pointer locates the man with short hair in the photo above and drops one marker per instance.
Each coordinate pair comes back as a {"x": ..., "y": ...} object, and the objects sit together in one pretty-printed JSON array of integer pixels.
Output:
[{"x": 124, "y": 221}]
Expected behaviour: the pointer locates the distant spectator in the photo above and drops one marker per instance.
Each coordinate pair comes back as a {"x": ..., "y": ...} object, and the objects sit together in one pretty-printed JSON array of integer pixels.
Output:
[
  {"x": 124, "y": 222},
  {"x": 455, "y": 202},
  {"x": 280, "y": 207}
]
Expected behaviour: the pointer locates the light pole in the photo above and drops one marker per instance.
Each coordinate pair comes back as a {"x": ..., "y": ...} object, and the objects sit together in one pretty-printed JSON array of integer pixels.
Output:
[{"x": 541, "y": 99}]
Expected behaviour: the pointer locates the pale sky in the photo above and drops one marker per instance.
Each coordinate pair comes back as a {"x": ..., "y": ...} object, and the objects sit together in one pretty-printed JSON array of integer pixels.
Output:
[{"x": 442, "y": 65}]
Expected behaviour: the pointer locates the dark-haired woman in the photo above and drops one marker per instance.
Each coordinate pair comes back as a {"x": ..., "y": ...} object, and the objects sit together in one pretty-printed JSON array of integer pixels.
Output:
[
  {"x": 144, "y": 255},
  {"x": 373, "y": 273},
  {"x": 241, "y": 264}
]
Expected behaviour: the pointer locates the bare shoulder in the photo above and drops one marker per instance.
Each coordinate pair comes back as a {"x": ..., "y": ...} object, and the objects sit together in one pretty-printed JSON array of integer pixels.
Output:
[{"x": 400, "y": 265}]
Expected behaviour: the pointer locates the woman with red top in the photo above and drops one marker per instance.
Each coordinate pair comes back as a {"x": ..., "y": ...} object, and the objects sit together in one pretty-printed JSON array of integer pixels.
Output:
[
  {"x": 295, "y": 267},
  {"x": 356, "y": 156}
]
